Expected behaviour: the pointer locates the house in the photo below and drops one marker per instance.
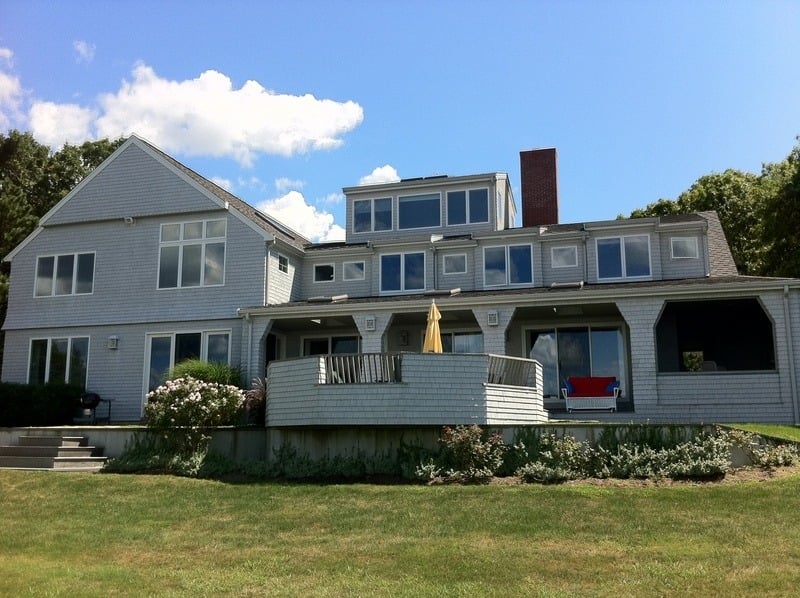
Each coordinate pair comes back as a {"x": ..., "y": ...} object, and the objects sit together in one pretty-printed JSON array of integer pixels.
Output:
[{"x": 145, "y": 262}]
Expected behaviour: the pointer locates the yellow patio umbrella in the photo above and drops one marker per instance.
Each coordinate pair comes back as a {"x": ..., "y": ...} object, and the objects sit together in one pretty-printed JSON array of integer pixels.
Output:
[{"x": 433, "y": 338}]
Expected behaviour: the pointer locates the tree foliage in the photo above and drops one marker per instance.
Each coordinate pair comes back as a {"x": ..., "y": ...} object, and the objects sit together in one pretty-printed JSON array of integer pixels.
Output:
[
  {"x": 32, "y": 180},
  {"x": 760, "y": 214}
]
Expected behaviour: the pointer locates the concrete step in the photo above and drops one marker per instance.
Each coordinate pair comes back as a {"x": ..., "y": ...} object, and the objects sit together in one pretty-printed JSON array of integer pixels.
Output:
[
  {"x": 51, "y": 440},
  {"x": 53, "y": 453},
  {"x": 47, "y": 451}
]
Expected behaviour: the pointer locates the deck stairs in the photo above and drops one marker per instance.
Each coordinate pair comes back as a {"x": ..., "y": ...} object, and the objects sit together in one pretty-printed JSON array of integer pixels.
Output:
[{"x": 54, "y": 453}]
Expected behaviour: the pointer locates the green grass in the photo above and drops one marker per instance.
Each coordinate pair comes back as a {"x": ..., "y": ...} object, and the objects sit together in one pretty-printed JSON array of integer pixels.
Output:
[
  {"x": 93, "y": 535},
  {"x": 791, "y": 433}
]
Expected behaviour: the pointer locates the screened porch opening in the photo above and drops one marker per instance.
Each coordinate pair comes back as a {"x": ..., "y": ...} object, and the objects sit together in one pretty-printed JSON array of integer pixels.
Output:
[{"x": 715, "y": 335}]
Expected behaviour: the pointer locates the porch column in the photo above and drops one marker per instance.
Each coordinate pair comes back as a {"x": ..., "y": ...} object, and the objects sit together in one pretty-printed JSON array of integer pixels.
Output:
[
  {"x": 372, "y": 327},
  {"x": 494, "y": 322},
  {"x": 255, "y": 331},
  {"x": 641, "y": 316}
]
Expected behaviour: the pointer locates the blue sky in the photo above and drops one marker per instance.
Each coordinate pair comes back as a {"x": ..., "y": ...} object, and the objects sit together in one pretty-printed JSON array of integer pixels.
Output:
[{"x": 285, "y": 103}]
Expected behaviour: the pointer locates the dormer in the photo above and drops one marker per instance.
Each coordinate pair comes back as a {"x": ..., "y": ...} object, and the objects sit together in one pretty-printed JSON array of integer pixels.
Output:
[{"x": 439, "y": 205}]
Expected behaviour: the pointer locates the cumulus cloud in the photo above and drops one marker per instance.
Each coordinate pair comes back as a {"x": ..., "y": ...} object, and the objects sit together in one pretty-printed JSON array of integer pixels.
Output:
[
  {"x": 84, "y": 51},
  {"x": 222, "y": 182},
  {"x": 284, "y": 184},
  {"x": 293, "y": 211},
  {"x": 204, "y": 116},
  {"x": 382, "y": 174},
  {"x": 10, "y": 92},
  {"x": 332, "y": 199}
]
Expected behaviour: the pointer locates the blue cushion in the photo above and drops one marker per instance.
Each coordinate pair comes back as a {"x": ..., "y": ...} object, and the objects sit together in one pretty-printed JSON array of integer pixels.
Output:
[
  {"x": 610, "y": 388},
  {"x": 569, "y": 387}
]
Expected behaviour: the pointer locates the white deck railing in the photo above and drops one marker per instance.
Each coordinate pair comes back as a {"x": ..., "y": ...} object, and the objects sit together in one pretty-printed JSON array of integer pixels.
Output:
[{"x": 363, "y": 368}]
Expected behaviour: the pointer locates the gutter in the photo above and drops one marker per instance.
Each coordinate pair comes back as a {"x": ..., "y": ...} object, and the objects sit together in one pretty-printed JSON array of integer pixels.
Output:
[{"x": 790, "y": 347}]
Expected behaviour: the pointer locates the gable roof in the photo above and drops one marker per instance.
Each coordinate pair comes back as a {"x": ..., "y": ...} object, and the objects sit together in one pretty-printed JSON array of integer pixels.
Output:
[{"x": 219, "y": 196}]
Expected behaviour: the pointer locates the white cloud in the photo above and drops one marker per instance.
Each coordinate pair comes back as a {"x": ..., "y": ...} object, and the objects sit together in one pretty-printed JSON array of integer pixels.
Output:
[
  {"x": 284, "y": 184},
  {"x": 56, "y": 124},
  {"x": 208, "y": 116},
  {"x": 84, "y": 51},
  {"x": 293, "y": 210},
  {"x": 331, "y": 199},
  {"x": 382, "y": 174},
  {"x": 10, "y": 92}
]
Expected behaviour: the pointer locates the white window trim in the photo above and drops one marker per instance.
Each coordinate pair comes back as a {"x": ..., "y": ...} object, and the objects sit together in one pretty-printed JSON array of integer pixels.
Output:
[
  {"x": 466, "y": 207},
  {"x": 507, "y": 283},
  {"x": 447, "y": 272},
  {"x": 202, "y": 241},
  {"x": 55, "y": 257},
  {"x": 50, "y": 340},
  {"x": 314, "y": 273},
  {"x": 430, "y": 197},
  {"x": 282, "y": 257},
  {"x": 363, "y": 270},
  {"x": 695, "y": 248},
  {"x": 574, "y": 263},
  {"x": 372, "y": 215},
  {"x": 402, "y": 290},
  {"x": 621, "y": 239}
]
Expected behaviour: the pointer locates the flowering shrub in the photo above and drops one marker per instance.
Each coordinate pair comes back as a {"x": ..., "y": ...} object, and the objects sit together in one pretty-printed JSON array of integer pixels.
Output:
[{"x": 182, "y": 409}]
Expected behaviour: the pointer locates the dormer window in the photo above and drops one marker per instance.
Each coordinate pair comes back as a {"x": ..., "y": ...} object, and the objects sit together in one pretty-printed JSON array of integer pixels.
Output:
[
  {"x": 684, "y": 248},
  {"x": 507, "y": 265},
  {"x": 467, "y": 207},
  {"x": 323, "y": 273},
  {"x": 403, "y": 272},
  {"x": 372, "y": 215},
  {"x": 620, "y": 258}
]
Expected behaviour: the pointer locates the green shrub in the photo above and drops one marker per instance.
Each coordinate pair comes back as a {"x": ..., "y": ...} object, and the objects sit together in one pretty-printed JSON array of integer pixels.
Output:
[
  {"x": 51, "y": 404},
  {"x": 182, "y": 409},
  {"x": 468, "y": 454},
  {"x": 219, "y": 373}
]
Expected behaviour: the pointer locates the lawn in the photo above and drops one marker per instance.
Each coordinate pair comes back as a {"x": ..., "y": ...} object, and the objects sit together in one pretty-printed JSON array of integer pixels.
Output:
[{"x": 104, "y": 534}]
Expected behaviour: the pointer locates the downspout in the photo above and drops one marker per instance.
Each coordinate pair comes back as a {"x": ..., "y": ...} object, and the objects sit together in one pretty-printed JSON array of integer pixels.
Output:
[
  {"x": 249, "y": 345},
  {"x": 789, "y": 344}
]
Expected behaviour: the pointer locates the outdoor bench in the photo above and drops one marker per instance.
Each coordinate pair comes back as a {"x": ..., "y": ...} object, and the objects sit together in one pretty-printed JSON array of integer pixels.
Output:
[{"x": 591, "y": 392}]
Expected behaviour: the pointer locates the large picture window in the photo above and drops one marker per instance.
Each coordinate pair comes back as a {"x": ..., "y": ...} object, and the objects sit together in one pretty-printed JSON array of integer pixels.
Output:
[
  {"x": 507, "y": 265},
  {"x": 192, "y": 254},
  {"x": 69, "y": 274},
  {"x": 58, "y": 360},
  {"x": 419, "y": 211},
  {"x": 619, "y": 258},
  {"x": 372, "y": 215},
  {"x": 166, "y": 350},
  {"x": 462, "y": 342},
  {"x": 403, "y": 272}
]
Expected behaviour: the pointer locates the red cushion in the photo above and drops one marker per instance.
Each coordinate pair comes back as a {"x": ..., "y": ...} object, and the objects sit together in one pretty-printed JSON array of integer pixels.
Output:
[{"x": 591, "y": 386}]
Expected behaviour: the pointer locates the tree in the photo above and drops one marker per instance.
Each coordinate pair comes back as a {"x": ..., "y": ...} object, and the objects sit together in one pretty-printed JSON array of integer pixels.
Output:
[
  {"x": 781, "y": 216},
  {"x": 32, "y": 180}
]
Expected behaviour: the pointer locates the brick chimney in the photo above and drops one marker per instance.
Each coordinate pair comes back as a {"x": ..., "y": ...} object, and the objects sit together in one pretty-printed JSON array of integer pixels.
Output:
[{"x": 539, "y": 187}]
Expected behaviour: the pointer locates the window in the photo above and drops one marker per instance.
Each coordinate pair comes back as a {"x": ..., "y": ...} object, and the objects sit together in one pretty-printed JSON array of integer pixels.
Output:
[
  {"x": 467, "y": 207},
  {"x": 403, "y": 272},
  {"x": 462, "y": 342},
  {"x": 283, "y": 263},
  {"x": 684, "y": 247},
  {"x": 564, "y": 257},
  {"x": 58, "y": 360},
  {"x": 372, "y": 215},
  {"x": 323, "y": 273},
  {"x": 192, "y": 254},
  {"x": 576, "y": 351},
  {"x": 334, "y": 345},
  {"x": 70, "y": 274},
  {"x": 419, "y": 211},
  {"x": 623, "y": 257},
  {"x": 165, "y": 350},
  {"x": 353, "y": 271},
  {"x": 455, "y": 264},
  {"x": 507, "y": 265}
]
